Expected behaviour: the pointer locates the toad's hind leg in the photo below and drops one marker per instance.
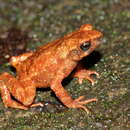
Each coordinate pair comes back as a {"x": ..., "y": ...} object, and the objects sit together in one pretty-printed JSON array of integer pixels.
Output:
[
  {"x": 9, "y": 85},
  {"x": 5, "y": 80}
]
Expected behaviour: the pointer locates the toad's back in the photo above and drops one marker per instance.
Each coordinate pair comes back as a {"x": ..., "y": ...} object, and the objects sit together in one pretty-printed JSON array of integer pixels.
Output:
[{"x": 42, "y": 65}]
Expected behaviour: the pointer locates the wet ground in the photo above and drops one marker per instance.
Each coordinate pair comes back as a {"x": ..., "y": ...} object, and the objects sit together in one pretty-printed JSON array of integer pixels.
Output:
[{"x": 48, "y": 20}]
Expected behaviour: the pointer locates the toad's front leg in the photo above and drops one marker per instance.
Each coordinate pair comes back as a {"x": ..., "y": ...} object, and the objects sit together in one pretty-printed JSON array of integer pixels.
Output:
[
  {"x": 85, "y": 74},
  {"x": 66, "y": 99}
]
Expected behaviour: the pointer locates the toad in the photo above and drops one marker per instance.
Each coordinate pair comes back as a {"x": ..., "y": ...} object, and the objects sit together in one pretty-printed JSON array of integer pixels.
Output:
[{"x": 47, "y": 67}]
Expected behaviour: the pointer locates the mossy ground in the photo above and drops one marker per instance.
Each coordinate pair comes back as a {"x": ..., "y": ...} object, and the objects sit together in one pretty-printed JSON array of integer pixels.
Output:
[{"x": 48, "y": 20}]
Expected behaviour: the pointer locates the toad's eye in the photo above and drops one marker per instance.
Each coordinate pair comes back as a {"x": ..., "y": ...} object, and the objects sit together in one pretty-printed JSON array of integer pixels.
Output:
[{"x": 85, "y": 46}]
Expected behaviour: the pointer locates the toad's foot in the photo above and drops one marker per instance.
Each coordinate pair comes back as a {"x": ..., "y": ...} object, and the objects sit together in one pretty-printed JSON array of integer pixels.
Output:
[
  {"x": 85, "y": 74},
  {"x": 37, "y": 104},
  {"x": 79, "y": 103}
]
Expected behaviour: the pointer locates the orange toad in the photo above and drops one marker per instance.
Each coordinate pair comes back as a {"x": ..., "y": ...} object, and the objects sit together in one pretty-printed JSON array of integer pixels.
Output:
[{"x": 48, "y": 66}]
